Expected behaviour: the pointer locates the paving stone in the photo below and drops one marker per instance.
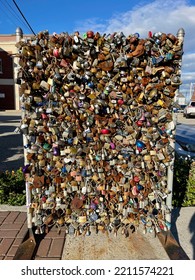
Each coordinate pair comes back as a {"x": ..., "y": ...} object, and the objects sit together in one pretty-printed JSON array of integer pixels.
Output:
[
  {"x": 13, "y": 229},
  {"x": 8, "y": 233},
  {"x": 23, "y": 231},
  {"x": 56, "y": 248},
  {"x": 11, "y": 217},
  {"x": 5, "y": 246},
  {"x": 12, "y": 226},
  {"x": 18, "y": 241},
  {"x": 12, "y": 251},
  {"x": 8, "y": 258},
  {"x": 4, "y": 213},
  {"x": 54, "y": 234},
  {"x": 44, "y": 247},
  {"x": 21, "y": 218},
  {"x": 1, "y": 220}
]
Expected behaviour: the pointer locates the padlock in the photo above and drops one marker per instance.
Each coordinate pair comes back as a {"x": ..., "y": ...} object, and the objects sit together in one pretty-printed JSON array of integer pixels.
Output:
[{"x": 128, "y": 98}]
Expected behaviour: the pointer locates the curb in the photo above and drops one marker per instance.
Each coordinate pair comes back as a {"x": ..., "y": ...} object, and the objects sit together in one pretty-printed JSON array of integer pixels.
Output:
[
  {"x": 11, "y": 112},
  {"x": 6, "y": 207}
]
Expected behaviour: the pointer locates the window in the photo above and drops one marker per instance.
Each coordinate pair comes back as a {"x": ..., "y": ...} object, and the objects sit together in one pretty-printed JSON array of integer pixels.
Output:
[
  {"x": 1, "y": 66},
  {"x": 2, "y": 95}
]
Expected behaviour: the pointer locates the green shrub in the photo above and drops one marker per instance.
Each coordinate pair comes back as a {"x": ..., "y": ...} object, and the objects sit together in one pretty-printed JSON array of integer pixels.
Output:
[
  {"x": 189, "y": 199},
  {"x": 12, "y": 188},
  {"x": 183, "y": 185}
]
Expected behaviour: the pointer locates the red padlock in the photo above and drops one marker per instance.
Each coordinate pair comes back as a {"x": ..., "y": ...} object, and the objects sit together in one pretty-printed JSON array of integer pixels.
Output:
[
  {"x": 136, "y": 179},
  {"x": 120, "y": 101},
  {"x": 105, "y": 131},
  {"x": 90, "y": 34},
  {"x": 56, "y": 52}
]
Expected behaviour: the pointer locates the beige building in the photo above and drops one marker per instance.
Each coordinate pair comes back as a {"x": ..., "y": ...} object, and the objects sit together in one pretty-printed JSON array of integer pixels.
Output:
[
  {"x": 180, "y": 99},
  {"x": 193, "y": 95},
  {"x": 9, "y": 90}
]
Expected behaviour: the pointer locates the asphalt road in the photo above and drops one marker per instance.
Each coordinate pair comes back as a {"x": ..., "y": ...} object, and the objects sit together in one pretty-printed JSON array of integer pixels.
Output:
[
  {"x": 181, "y": 119},
  {"x": 11, "y": 143}
]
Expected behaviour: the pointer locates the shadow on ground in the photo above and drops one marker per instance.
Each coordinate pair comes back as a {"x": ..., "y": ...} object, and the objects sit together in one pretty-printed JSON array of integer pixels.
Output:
[
  {"x": 174, "y": 216},
  {"x": 190, "y": 227},
  {"x": 11, "y": 144},
  {"x": 192, "y": 230}
]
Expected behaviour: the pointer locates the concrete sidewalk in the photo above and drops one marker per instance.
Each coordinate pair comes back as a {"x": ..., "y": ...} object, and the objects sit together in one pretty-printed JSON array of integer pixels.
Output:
[
  {"x": 13, "y": 229},
  {"x": 183, "y": 229}
]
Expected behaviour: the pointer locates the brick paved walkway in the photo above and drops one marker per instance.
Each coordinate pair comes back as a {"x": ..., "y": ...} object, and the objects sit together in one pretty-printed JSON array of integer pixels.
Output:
[
  {"x": 13, "y": 230},
  {"x": 51, "y": 247}
]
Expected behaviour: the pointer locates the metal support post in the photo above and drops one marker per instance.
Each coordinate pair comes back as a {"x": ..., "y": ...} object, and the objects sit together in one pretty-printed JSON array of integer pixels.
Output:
[{"x": 170, "y": 171}]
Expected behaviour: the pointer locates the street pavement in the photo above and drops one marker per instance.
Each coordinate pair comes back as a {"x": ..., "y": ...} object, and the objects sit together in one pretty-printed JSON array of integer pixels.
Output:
[
  {"x": 180, "y": 119},
  {"x": 11, "y": 143},
  {"x": 11, "y": 149}
]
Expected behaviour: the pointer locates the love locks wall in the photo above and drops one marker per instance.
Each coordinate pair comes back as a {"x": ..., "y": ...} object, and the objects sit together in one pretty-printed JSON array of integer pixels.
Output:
[{"x": 98, "y": 129}]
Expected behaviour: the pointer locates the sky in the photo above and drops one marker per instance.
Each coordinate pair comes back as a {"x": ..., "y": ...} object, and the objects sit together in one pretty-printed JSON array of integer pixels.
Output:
[{"x": 107, "y": 16}]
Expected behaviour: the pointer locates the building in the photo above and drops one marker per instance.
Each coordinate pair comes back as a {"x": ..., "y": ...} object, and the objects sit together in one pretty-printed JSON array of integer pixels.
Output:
[
  {"x": 180, "y": 99},
  {"x": 192, "y": 91},
  {"x": 9, "y": 90},
  {"x": 193, "y": 95}
]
